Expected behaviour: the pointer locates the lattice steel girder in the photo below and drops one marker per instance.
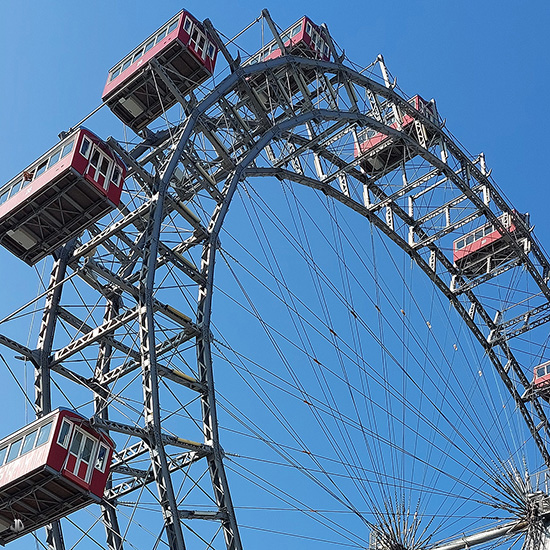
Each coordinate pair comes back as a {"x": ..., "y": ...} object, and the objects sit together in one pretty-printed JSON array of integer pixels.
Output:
[
  {"x": 174, "y": 464},
  {"x": 447, "y": 206},
  {"x": 406, "y": 189},
  {"x": 130, "y": 452},
  {"x": 18, "y": 348},
  {"x": 95, "y": 335},
  {"x": 87, "y": 248},
  {"x": 83, "y": 327},
  {"x": 144, "y": 434},
  {"x": 463, "y": 286},
  {"x": 446, "y": 231},
  {"x": 162, "y": 348},
  {"x": 529, "y": 320}
]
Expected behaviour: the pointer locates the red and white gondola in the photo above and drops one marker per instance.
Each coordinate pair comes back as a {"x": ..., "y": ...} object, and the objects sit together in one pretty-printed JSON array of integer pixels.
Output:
[
  {"x": 54, "y": 466},
  {"x": 182, "y": 48},
  {"x": 486, "y": 243},
  {"x": 385, "y": 153},
  {"x": 305, "y": 39},
  {"x": 60, "y": 195}
]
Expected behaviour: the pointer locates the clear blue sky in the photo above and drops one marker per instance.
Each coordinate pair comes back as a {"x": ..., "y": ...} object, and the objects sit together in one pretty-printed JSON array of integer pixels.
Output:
[{"x": 485, "y": 63}]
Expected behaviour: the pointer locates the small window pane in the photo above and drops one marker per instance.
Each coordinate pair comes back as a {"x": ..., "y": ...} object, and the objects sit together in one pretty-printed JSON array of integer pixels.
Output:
[
  {"x": 104, "y": 166},
  {"x": 95, "y": 159},
  {"x": 28, "y": 444},
  {"x": 54, "y": 158},
  {"x": 160, "y": 36},
  {"x": 126, "y": 64},
  {"x": 295, "y": 30},
  {"x": 172, "y": 27},
  {"x": 101, "y": 458},
  {"x": 14, "y": 450},
  {"x": 541, "y": 371},
  {"x": 67, "y": 149},
  {"x": 75, "y": 445},
  {"x": 149, "y": 45},
  {"x": 41, "y": 169},
  {"x": 85, "y": 147},
  {"x": 4, "y": 196},
  {"x": 460, "y": 244},
  {"x": 211, "y": 51},
  {"x": 17, "y": 186},
  {"x": 308, "y": 28},
  {"x": 478, "y": 235},
  {"x": 137, "y": 56},
  {"x": 469, "y": 239},
  {"x": 116, "y": 175},
  {"x": 187, "y": 25},
  {"x": 43, "y": 434},
  {"x": 3, "y": 455},
  {"x": 115, "y": 73},
  {"x": 64, "y": 433},
  {"x": 87, "y": 450}
]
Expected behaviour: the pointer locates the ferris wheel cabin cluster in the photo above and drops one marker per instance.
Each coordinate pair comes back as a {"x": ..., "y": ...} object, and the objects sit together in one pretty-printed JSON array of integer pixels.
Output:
[
  {"x": 60, "y": 463},
  {"x": 80, "y": 180}
]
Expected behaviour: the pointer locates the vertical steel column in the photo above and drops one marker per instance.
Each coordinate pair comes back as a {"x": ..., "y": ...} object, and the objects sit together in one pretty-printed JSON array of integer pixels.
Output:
[
  {"x": 103, "y": 365},
  {"x": 149, "y": 366},
  {"x": 42, "y": 381},
  {"x": 204, "y": 361},
  {"x": 209, "y": 415},
  {"x": 151, "y": 399}
]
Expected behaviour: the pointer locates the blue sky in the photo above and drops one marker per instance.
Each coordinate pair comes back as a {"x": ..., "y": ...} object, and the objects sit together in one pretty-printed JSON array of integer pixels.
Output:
[{"x": 485, "y": 63}]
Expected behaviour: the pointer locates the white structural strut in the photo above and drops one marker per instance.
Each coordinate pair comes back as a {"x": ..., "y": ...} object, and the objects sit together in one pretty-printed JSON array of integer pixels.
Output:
[{"x": 503, "y": 531}]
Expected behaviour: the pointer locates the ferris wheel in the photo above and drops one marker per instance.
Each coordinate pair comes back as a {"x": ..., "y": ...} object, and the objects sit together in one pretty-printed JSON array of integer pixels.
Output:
[{"x": 366, "y": 368}]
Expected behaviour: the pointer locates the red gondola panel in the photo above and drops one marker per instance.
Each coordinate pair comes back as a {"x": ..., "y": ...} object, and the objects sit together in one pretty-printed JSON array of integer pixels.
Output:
[
  {"x": 305, "y": 39},
  {"x": 49, "y": 469},
  {"x": 541, "y": 380},
  {"x": 135, "y": 90},
  {"x": 385, "y": 153},
  {"x": 63, "y": 193}
]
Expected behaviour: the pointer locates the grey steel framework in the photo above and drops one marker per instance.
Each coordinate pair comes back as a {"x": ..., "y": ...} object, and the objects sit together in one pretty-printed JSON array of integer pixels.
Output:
[{"x": 108, "y": 304}]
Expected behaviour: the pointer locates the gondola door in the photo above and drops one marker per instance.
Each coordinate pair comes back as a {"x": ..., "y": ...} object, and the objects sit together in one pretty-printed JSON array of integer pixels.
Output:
[
  {"x": 99, "y": 168},
  {"x": 81, "y": 453}
]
